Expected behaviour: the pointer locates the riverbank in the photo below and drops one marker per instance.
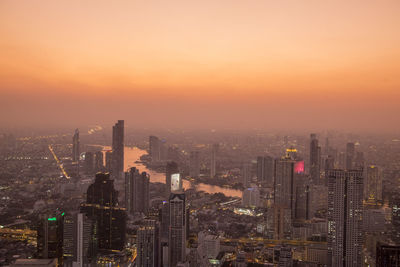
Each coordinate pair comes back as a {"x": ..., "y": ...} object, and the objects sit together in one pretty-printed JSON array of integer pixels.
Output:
[{"x": 132, "y": 158}]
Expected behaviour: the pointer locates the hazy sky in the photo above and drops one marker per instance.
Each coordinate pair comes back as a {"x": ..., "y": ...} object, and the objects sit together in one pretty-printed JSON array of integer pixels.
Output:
[{"x": 308, "y": 64}]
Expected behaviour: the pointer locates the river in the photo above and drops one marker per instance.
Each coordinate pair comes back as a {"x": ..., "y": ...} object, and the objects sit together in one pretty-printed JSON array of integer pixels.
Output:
[{"x": 133, "y": 154}]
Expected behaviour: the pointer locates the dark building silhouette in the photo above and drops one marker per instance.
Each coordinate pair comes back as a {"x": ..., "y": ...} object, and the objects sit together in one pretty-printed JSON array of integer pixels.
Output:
[
  {"x": 345, "y": 208},
  {"x": 148, "y": 244},
  {"x": 137, "y": 191},
  {"x": 102, "y": 207},
  {"x": 75, "y": 146},
  {"x": 387, "y": 255},
  {"x": 284, "y": 186},
  {"x": 80, "y": 244},
  {"x": 50, "y": 236},
  {"x": 117, "y": 162},
  {"x": 164, "y": 227},
  {"x": 177, "y": 228},
  {"x": 302, "y": 197},
  {"x": 315, "y": 158}
]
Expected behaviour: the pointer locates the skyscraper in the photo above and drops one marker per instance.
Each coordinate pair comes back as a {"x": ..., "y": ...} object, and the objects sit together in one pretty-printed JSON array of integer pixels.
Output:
[
  {"x": 374, "y": 184},
  {"x": 102, "y": 207},
  {"x": 117, "y": 163},
  {"x": 50, "y": 236},
  {"x": 265, "y": 170},
  {"x": 79, "y": 243},
  {"x": 302, "y": 197},
  {"x": 345, "y": 208},
  {"x": 213, "y": 166},
  {"x": 137, "y": 191},
  {"x": 154, "y": 147},
  {"x": 148, "y": 244},
  {"x": 75, "y": 146},
  {"x": 350, "y": 154},
  {"x": 194, "y": 164},
  {"x": 171, "y": 168},
  {"x": 284, "y": 189},
  {"x": 246, "y": 174},
  {"x": 177, "y": 228},
  {"x": 164, "y": 227},
  {"x": 315, "y": 158},
  {"x": 164, "y": 232}
]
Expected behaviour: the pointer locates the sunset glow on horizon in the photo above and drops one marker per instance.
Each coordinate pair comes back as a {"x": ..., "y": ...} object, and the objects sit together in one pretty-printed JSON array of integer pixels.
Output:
[{"x": 204, "y": 62}]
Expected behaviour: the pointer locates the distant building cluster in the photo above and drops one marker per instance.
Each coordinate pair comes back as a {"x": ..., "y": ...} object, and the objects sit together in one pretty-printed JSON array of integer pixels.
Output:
[{"x": 228, "y": 202}]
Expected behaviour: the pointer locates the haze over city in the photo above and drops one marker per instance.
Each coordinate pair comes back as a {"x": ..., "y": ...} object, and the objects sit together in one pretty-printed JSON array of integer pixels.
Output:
[
  {"x": 214, "y": 133},
  {"x": 201, "y": 64}
]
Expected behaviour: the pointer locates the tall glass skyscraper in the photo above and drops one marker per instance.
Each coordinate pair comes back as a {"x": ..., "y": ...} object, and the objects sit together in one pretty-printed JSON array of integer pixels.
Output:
[
  {"x": 117, "y": 164},
  {"x": 345, "y": 209}
]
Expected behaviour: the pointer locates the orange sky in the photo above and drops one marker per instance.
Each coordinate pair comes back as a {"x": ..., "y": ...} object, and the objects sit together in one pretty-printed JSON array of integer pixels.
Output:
[{"x": 204, "y": 63}]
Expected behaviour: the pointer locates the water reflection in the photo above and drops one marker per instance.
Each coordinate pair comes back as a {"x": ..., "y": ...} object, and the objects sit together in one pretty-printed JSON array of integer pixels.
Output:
[{"x": 133, "y": 154}]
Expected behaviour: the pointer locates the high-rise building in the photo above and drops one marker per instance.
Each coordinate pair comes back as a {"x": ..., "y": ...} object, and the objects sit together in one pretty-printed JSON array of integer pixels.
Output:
[
  {"x": 374, "y": 184},
  {"x": 75, "y": 146},
  {"x": 282, "y": 218},
  {"x": 102, "y": 207},
  {"x": 177, "y": 228},
  {"x": 350, "y": 154},
  {"x": 387, "y": 255},
  {"x": 265, "y": 170},
  {"x": 315, "y": 159},
  {"x": 284, "y": 188},
  {"x": 302, "y": 197},
  {"x": 79, "y": 242},
  {"x": 137, "y": 191},
  {"x": 154, "y": 145},
  {"x": 98, "y": 161},
  {"x": 345, "y": 208},
  {"x": 213, "y": 166},
  {"x": 50, "y": 236},
  {"x": 246, "y": 174},
  {"x": 194, "y": 164},
  {"x": 117, "y": 162},
  {"x": 148, "y": 244},
  {"x": 164, "y": 227},
  {"x": 170, "y": 169},
  {"x": 164, "y": 232}
]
